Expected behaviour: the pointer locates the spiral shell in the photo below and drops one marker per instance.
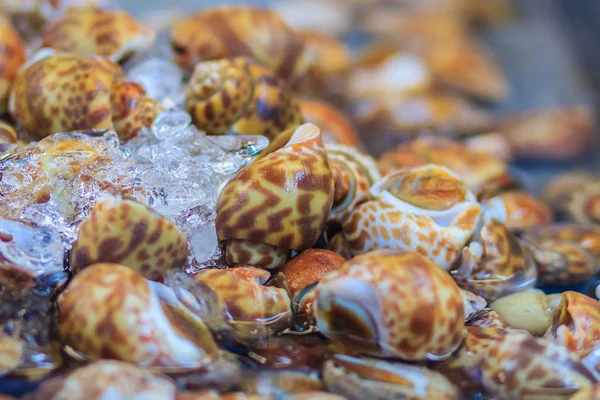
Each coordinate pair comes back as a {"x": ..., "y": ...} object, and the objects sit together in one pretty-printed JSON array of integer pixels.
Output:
[
  {"x": 131, "y": 234},
  {"x": 277, "y": 203},
  {"x": 518, "y": 210},
  {"x": 227, "y": 32},
  {"x": 111, "y": 311},
  {"x": 79, "y": 93},
  {"x": 575, "y": 196},
  {"x": 565, "y": 253},
  {"x": 374, "y": 304},
  {"x": 12, "y": 57},
  {"x": 496, "y": 265},
  {"x": 427, "y": 209},
  {"x": 112, "y": 34},
  {"x": 336, "y": 127},
  {"x": 241, "y": 97},
  {"x": 363, "y": 378}
]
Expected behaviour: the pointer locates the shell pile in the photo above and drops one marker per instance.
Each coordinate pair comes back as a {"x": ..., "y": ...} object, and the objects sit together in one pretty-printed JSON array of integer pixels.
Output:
[{"x": 201, "y": 220}]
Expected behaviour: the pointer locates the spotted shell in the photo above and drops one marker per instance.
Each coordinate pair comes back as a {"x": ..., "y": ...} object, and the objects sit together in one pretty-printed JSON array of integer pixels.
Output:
[
  {"x": 113, "y": 34},
  {"x": 111, "y": 311},
  {"x": 240, "y": 96},
  {"x": 576, "y": 323},
  {"x": 252, "y": 310},
  {"x": 108, "y": 378},
  {"x": 374, "y": 304},
  {"x": 575, "y": 196},
  {"x": 495, "y": 265},
  {"x": 517, "y": 210},
  {"x": 79, "y": 93},
  {"x": 12, "y": 56},
  {"x": 363, "y": 378},
  {"x": 427, "y": 209},
  {"x": 131, "y": 234},
  {"x": 565, "y": 253},
  {"x": 8, "y": 137},
  {"x": 336, "y": 127},
  {"x": 354, "y": 173},
  {"x": 478, "y": 170},
  {"x": 281, "y": 201},
  {"x": 226, "y": 32}
]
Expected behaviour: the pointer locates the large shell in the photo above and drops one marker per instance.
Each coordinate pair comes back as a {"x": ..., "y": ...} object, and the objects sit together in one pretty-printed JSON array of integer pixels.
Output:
[
  {"x": 241, "y": 97},
  {"x": 12, "y": 57},
  {"x": 497, "y": 264},
  {"x": 518, "y": 210},
  {"x": 427, "y": 209},
  {"x": 226, "y": 32},
  {"x": 113, "y": 34},
  {"x": 254, "y": 311},
  {"x": 363, "y": 378},
  {"x": 281, "y": 201},
  {"x": 79, "y": 93},
  {"x": 335, "y": 126},
  {"x": 131, "y": 234},
  {"x": 111, "y": 311},
  {"x": 565, "y": 253},
  {"x": 375, "y": 304}
]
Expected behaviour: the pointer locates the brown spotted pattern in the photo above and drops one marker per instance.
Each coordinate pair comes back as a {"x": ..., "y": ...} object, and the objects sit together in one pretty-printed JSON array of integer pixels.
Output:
[
  {"x": 337, "y": 128},
  {"x": 106, "y": 378},
  {"x": 131, "y": 234},
  {"x": 576, "y": 323},
  {"x": 498, "y": 265},
  {"x": 252, "y": 309},
  {"x": 113, "y": 34},
  {"x": 12, "y": 56},
  {"x": 518, "y": 210},
  {"x": 375, "y": 304},
  {"x": 111, "y": 311},
  {"x": 365, "y": 378},
  {"x": 282, "y": 200},
  {"x": 8, "y": 137},
  {"x": 565, "y": 253},
  {"x": 390, "y": 222},
  {"x": 227, "y": 32},
  {"x": 241, "y": 97},
  {"x": 79, "y": 93}
]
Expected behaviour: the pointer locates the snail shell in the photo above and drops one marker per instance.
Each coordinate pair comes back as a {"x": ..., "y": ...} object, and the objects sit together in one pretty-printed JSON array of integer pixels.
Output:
[
  {"x": 112, "y": 34},
  {"x": 241, "y": 97},
  {"x": 111, "y": 311},
  {"x": 575, "y": 196},
  {"x": 427, "y": 209},
  {"x": 496, "y": 265},
  {"x": 12, "y": 57},
  {"x": 336, "y": 127},
  {"x": 363, "y": 378},
  {"x": 279, "y": 202},
  {"x": 226, "y": 32},
  {"x": 78, "y": 93},
  {"x": 130, "y": 234},
  {"x": 518, "y": 210},
  {"x": 8, "y": 137},
  {"x": 374, "y": 304}
]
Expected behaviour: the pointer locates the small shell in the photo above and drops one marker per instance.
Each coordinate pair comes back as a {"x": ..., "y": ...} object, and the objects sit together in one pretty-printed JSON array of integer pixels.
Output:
[
  {"x": 130, "y": 234},
  {"x": 78, "y": 93},
  {"x": 112, "y": 34},
  {"x": 576, "y": 323},
  {"x": 575, "y": 196},
  {"x": 252, "y": 309},
  {"x": 526, "y": 310},
  {"x": 336, "y": 127},
  {"x": 226, "y": 32},
  {"x": 374, "y": 303},
  {"x": 495, "y": 265},
  {"x": 427, "y": 209},
  {"x": 241, "y": 97},
  {"x": 281, "y": 201},
  {"x": 8, "y": 137},
  {"x": 565, "y": 253},
  {"x": 363, "y": 378},
  {"x": 12, "y": 57},
  {"x": 518, "y": 210},
  {"x": 111, "y": 311}
]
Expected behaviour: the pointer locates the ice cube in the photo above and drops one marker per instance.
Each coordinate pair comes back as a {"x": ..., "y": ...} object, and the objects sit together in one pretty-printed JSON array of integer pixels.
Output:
[{"x": 162, "y": 79}]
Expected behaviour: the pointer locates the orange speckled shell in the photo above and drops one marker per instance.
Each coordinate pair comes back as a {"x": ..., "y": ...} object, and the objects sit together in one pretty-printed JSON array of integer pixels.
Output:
[
  {"x": 111, "y": 311},
  {"x": 520, "y": 210},
  {"x": 12, "y": 56},
  {"x": 130, "y": 234},
  {"x": 131, "y": 109},
  {"x": 336, "y": 127},
  {"x": 113, "y": 34},
  {"x": 282, "y": 199},
  {"x": 576, "y": 323},
  {"x": 227, "y": 32},
  {"x": 375, "y": 303},
  {"x": 240, "y": 96}
]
